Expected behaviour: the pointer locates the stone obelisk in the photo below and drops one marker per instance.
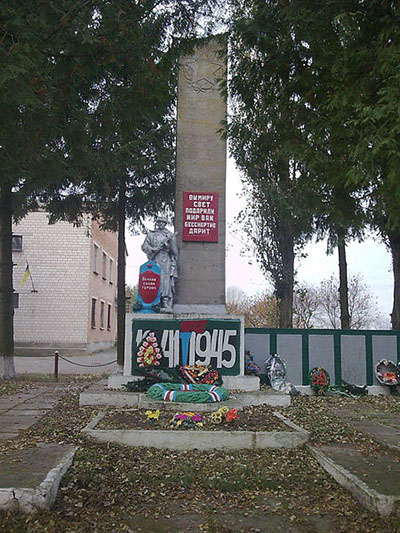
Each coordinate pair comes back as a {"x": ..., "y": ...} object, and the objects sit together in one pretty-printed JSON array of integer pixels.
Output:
[{"x": 201, "y": 181}]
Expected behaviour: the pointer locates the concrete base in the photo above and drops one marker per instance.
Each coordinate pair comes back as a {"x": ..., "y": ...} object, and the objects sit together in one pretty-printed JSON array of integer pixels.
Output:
[
  {"x": 373, "y": 390},
  {"x": 199, "y": 309},
  {"x": 242, "y": 383},
  {"x": 33, "y": 487},
  {"x": 98, "y": 394},
  {"x": 199, "y": 440}
]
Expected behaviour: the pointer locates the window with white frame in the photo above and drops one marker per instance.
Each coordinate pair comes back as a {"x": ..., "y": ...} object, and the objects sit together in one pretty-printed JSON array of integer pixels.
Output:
[
  {"x": 93, "y": 313},
  {"x": 101, "y": 314},
  {"x": 111, "y": 273},
  {"x": 104, "y": 266},
  {"x": 109, "y": 318},
  {"x": 95, "y": 258},
  {"x": 16, "y": 243}
]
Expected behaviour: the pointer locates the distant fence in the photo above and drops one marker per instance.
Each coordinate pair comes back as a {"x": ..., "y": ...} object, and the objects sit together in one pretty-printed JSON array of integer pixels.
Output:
[{"x": 349, "y": 355}]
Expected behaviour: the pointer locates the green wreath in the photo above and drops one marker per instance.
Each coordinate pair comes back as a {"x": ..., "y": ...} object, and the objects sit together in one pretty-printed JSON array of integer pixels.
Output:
[{"x": 192, "y": 393}]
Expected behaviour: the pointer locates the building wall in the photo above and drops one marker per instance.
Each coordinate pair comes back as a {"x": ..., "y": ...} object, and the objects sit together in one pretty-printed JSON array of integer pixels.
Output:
[
  {"x": 101, "y": 327},
  {"x": 55, "y": 312},
  {"x": 58, "y": 256}
]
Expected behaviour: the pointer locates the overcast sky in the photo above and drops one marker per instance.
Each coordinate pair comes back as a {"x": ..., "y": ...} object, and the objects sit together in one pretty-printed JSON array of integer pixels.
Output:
[{"x": 370, "y": 258}]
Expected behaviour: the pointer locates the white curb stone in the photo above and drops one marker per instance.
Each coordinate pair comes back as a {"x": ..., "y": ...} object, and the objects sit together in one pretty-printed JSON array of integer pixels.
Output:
[
  {"x": 42, "y": 497},
  {"x": 199, "y": 440}
]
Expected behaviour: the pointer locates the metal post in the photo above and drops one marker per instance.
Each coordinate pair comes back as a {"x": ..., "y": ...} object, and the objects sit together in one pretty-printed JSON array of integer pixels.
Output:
[{"x": 56, "y": 364}]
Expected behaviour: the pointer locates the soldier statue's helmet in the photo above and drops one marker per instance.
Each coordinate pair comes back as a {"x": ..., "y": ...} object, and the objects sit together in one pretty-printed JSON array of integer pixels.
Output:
[{"x": 162, "y": 219}]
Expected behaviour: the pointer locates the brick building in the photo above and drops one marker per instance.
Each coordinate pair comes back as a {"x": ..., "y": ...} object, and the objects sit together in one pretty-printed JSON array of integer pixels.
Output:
[{"x": 69, "y": 301}]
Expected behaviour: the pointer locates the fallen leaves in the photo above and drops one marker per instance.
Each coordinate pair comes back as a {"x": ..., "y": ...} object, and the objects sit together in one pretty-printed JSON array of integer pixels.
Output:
[{"x": 116, "y": 488}]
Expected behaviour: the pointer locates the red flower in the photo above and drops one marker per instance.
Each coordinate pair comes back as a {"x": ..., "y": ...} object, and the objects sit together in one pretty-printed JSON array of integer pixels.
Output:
[{"x": 231, "y": 415}]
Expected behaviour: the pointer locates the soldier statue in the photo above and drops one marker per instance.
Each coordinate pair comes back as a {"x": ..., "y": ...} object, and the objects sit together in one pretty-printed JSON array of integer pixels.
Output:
[{"x": 160, "y": 246}]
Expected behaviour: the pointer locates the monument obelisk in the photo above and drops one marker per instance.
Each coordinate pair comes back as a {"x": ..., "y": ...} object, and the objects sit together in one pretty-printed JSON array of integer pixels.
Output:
[
  {"x": 197, "y": 330},
  {"x": 201, "y": 181}
]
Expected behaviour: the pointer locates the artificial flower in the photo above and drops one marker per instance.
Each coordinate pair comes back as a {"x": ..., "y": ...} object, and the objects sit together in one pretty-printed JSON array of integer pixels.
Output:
[
  {"x": 232, "y": 414},
  {"x": 152, "y": 415}
]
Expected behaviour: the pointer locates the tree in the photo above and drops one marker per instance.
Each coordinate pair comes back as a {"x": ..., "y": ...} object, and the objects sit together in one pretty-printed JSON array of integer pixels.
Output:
[
  {"x": 373, "y": 87},
  {"x": 260, "y": 311},
  {"x": 306, "y": 303},
  {"x": 130, "y": 297},
  {"x": 265, "y": 131},
  {"x": 361, "y": 65},
  {"x": 320, "y": 305},
  {"x": 38, "y": 96},
  {"x": 86, "y": 100},
  {"x": 319, "y": 30}
]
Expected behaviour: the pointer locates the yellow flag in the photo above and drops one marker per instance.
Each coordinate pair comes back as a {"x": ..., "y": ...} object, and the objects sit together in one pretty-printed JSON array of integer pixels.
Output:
[{"x": 25, "y": 276}]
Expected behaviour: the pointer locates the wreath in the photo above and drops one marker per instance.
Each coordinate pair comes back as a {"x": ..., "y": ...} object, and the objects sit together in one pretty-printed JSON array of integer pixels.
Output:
[
  {"x": 149, "y": 353},
  {"x": 319, "y": 380},
  {"x": 387, "y": 373},
  {"x": 200, "y": 374},
  {"x": 192, "y": 393}
]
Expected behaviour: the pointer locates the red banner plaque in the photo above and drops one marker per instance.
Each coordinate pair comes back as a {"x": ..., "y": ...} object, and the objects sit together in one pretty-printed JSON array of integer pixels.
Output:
[
  {"x": 200, "y": 216},
  {"x": 149, "y": 282}
]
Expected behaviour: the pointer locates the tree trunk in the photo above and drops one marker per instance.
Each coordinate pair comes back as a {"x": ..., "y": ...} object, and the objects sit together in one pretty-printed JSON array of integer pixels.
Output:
[
  {"x": 286, "y": 284},
  {"x": 343, "y": 285},
  {"x": 121, "y": 278},
  {"x": 394, "y": 241},
  {"x": 6, "y": 286}
]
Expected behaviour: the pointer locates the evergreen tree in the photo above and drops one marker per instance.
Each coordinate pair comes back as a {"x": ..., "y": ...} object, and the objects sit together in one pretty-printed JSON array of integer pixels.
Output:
[
  {"x": 266, "y": 134},
  {"x": 87, "y": 91}
]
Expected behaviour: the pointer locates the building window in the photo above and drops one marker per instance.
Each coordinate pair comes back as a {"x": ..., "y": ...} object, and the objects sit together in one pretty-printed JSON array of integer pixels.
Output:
[
  {"x": 104, "y": 267},
  {"x": 96, "y": 259},
  {"x": 93, "y": 314},
  {"x": 109, "y": 317},
  {"x": 101, "y": 314},
  {"x": 111, "y": 276},
  {"x": 16, "y": 243},
  {"x": 15, "y": 298}
]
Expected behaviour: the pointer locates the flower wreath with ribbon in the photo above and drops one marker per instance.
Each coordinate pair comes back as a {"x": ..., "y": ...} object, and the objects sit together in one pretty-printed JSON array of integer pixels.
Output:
[
  {"x": 319, "y": 380},
  {"x": 190, "y": 393}
]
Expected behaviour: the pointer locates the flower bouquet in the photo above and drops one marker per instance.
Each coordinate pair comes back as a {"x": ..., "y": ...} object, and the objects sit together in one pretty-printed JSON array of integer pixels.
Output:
[
  {"x": 386, "y": 373},
  {"x": 187, "y": 420},
  {"x": 199, "y": 374},
  {"x": 149, "y": 352},
  {"x": 319, "y": 380},
  {"x": 224, "y": 414}
]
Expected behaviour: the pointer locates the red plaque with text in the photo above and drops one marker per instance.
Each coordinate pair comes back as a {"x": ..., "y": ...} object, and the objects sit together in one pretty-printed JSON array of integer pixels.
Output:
[
  {"x": 200, "y": 216},
  {"x": 149, "y": 283}
]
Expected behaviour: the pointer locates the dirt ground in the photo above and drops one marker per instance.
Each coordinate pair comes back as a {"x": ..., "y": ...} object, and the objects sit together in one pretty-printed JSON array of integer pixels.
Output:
[{"x": 260, "y": 418}]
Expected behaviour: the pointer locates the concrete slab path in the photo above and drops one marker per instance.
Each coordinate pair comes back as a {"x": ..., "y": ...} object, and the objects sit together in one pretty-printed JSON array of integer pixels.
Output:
[
  {"x": 21, "y": 410},
  {"x": 374, "y": 481}
]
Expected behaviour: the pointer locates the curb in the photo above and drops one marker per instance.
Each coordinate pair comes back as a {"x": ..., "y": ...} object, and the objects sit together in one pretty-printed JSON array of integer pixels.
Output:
[
  {"x": 140, "y": 400},
  {"x": 40, "y": 498},
  {"x": 370, "y": 499},
  {"x": 200, "y": 440}
]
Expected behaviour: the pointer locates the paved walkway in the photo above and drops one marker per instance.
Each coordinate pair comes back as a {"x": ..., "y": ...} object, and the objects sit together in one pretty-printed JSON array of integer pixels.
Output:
[
  {"x": 384, "y": 428},
  {"x": 21, "y": 410},
  {"x": 80, "y": 364}
]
